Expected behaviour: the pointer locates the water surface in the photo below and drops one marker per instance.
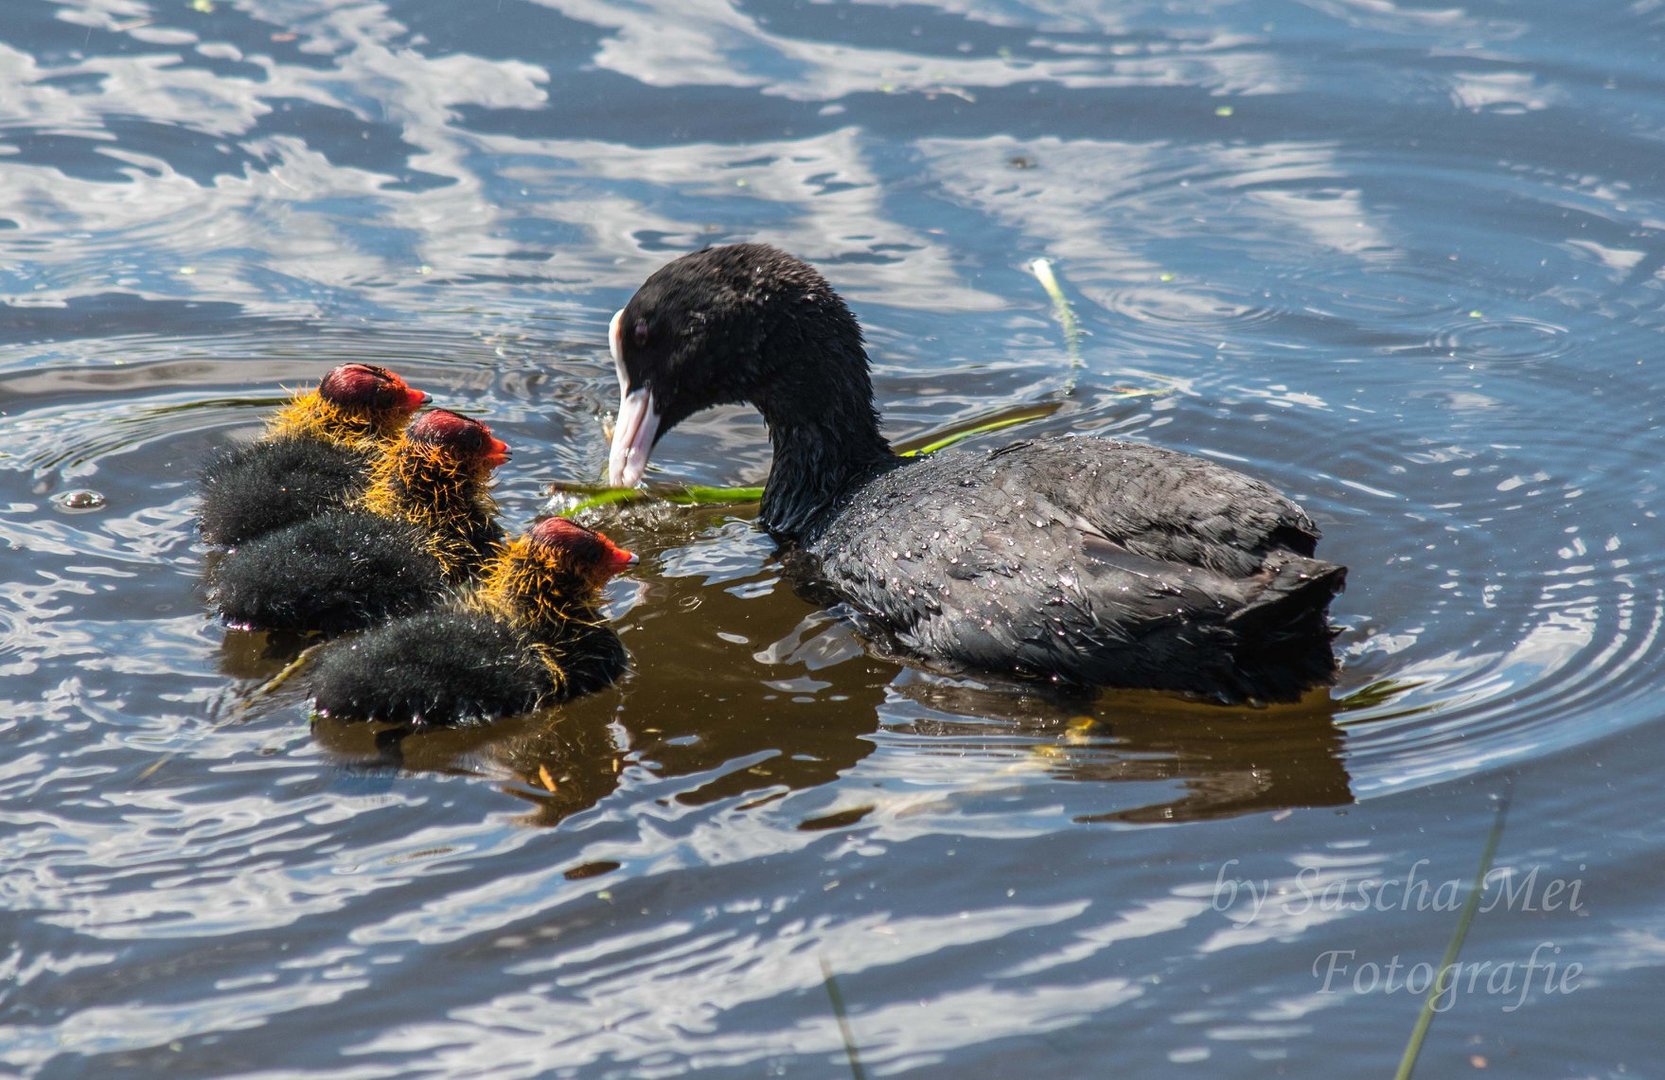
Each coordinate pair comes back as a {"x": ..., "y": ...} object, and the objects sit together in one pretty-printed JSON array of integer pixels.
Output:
[{"x": 1404, "y": 261}]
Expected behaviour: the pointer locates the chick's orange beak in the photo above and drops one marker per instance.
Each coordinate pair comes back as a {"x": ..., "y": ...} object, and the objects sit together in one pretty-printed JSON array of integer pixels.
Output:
[
  {"x": 616, "y": 558},
  {"x": 497, "y": 452},
  {"x": 415, "y": 399}
]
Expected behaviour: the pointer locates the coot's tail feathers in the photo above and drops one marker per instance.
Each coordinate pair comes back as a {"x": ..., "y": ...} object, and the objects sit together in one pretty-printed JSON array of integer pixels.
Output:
[
  {"x": 260, "y": 487},
  {"x": 339, "y": 571},
  {"x": 1299, "y": 593},
  {"x": 439, "y": 667},
  {"x": 1282, "y": 637}
]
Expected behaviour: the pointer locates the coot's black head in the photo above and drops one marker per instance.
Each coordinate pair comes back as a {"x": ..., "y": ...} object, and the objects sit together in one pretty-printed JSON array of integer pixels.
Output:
[
  {"x": 376, "y": 389},
  {"x": 461, "y": 437},
  {"x": 725, "y": 325}
]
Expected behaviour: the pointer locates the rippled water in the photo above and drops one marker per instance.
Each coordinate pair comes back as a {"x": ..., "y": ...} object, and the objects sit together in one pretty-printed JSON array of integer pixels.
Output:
[{"x": 1404, "y": 261}]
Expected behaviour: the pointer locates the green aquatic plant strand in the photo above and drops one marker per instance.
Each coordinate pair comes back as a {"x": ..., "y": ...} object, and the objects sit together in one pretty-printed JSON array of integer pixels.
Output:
[
  {"x": 682, "y": 495},
  {"x": 1065, "y": 314},
  {"x": 288, "y": 671},
  {"x": 943, "y": 442},
  {"x": 590, "y": 497},
  {"x": 1407, "y": 1063}
]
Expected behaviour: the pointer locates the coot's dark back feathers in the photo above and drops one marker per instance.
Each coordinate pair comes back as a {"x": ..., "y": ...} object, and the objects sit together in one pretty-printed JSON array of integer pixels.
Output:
[
  {"x": 1038, "y": 559},
  {"x": 1082, "y": 560},
  {"x": 258, "y": 487}
]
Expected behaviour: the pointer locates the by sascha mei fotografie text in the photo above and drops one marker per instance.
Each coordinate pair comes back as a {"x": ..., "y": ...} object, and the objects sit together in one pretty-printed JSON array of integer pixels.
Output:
[{"x": 1315, "y": 892}]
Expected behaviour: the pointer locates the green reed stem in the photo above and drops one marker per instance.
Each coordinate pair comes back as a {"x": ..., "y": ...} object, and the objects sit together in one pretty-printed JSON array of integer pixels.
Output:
[
  {"x": 680, "y": 495},
  {"x": 943, "y": 442},
  {"x": 1407, "y": 1063},
  {"x": 1065, "y": 314}
]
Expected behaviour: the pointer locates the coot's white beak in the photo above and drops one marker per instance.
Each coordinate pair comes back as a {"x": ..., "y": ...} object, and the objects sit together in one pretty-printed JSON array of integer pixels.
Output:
[
  {"x": 637, "y": 423},
  {"x": 633, "y": 434}
]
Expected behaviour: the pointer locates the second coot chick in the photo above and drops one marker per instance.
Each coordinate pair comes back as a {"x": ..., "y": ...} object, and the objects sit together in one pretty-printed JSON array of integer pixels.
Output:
[
  {"x": 314, "y": 456},
  {"x": 529, "y": 635},
  {"x": 426, "y": 521},
  {"x": 1085, "y": 560}
]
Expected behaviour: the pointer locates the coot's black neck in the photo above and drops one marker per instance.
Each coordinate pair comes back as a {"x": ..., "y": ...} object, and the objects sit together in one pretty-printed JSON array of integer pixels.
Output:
[{"x": 826, "y": 441}]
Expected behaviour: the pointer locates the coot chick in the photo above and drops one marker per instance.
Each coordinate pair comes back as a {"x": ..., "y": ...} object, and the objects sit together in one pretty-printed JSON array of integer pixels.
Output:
[
  {"x": 426, "y": 521},
  {"x": 529, "y": 635},
  {"x": 438, "y": 479},
  {"x": 314, "y": 456},
  {"x": 1084, "y": 560}
]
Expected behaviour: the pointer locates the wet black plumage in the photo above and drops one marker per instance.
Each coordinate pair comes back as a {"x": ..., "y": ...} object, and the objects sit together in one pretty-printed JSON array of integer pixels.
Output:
[
  {"x": 530, "y": 635},
  {"x": 314, "y": 456},
  {"x": 426, "y": 521},
  {"x": 1086, "y": 560}
]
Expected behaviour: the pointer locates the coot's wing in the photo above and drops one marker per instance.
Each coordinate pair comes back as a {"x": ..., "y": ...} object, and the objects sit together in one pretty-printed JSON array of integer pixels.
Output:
[
  {"x": 992, "y": 560},
  {"x": 1160, "y": 503}
]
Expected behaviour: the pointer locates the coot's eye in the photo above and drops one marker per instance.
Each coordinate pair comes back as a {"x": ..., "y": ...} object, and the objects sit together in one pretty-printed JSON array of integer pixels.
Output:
[{"x": 641, "y": 332}]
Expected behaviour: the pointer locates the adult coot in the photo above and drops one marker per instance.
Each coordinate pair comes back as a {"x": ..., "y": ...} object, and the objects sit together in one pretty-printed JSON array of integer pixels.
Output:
[
  {"x": 530, "y": 634},
  {"x": 426, "y": 520},
  {"x": 315, "y": 455},
  {"x": 1084, "y": 560}
]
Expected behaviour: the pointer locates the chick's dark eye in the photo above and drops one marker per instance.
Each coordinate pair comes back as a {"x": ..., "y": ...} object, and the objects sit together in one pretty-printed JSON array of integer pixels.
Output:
[{"x": 641, "y": 333}]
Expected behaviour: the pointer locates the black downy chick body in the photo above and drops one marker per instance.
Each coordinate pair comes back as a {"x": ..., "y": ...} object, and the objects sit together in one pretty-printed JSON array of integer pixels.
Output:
[
  {"x": 314, "y": 456},
  {"x": 531, "y": 634},
  {"x": 426, "y": 522}
]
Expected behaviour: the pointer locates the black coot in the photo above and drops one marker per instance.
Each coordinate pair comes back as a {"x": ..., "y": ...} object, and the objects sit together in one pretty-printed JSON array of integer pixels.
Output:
[
  {"x": 427, "y": 519},
  {"x": 1085, "y": 560},
  {"x": 529, "y": 635},
  {"x": 314, "y": 456}
]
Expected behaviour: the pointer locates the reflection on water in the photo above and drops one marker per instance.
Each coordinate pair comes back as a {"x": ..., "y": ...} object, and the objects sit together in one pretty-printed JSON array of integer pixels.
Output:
[
  {"x": 1203, "y": 761},
  {"x": 1404, "y": 262}
]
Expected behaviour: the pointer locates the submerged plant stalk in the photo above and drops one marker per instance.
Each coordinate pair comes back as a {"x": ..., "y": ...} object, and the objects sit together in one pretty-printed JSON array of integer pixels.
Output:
[
  {"x": 1065, "y": 314},
  {"x": 1407, "y": 1063},
  {"x": 844, "y": 1031}
]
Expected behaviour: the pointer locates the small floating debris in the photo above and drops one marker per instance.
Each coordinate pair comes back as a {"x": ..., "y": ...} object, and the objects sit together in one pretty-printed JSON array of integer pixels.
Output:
[{"x": 79, "y": 501}]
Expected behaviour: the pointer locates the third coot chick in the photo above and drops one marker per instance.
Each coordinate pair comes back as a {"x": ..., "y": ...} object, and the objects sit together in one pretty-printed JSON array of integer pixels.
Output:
[
  {"x": 427, "y": 519},
  {"x": 1085, "y": 560},
  {"x": 314, "y": 456},
  {"x": 529, "y": 635}
]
